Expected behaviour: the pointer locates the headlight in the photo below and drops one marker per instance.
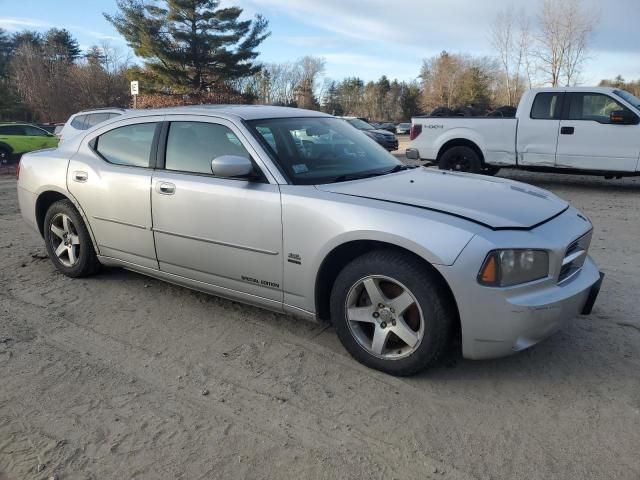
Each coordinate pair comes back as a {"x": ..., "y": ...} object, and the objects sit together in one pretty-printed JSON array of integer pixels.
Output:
[{"x": 504, "y": 268}]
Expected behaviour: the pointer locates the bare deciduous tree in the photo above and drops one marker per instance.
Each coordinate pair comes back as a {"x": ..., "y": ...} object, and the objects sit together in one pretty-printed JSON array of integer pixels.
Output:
[
  {"x": 565, "y": 29},
  {"x": 510, "y": 36}
]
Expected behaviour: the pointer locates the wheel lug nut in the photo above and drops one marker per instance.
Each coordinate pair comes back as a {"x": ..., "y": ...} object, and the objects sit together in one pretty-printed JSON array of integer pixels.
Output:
[
  {"x": 380, "y": 305},
  {"x": 393, "y": 322},
  {"x": 376, "y": 314},
  {"x": 383, "y": 324}
]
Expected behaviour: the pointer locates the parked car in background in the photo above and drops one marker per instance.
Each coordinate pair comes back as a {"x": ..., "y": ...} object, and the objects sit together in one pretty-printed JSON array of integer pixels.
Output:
[
  {"x": 84, "y": 120},
  {"x": 389, "y": 127},
  {"x": 585, "y": 130},
  {"x": 403, "y": 128},
  {"x": 19, "y": 138},
  {"x": 399, "y": 259},
  {"x": 386, "y": 139}
]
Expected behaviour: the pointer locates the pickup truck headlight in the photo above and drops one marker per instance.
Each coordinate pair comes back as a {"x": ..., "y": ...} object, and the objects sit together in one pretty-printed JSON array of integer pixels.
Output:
[{"x": 504, "y": 268}]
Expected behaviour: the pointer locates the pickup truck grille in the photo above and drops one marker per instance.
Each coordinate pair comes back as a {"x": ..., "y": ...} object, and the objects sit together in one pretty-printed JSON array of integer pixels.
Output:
[{"x": 574, "y": 257}]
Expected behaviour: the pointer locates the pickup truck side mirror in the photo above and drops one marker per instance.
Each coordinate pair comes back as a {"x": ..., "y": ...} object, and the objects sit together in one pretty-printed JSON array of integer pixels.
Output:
[
  {"x": 231, "y": 166},
  {"x": 623, "y": 117}
]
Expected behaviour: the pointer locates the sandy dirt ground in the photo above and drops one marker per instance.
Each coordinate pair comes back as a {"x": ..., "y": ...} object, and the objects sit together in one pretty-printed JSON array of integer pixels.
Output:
[{"x": 122, "y": 376}]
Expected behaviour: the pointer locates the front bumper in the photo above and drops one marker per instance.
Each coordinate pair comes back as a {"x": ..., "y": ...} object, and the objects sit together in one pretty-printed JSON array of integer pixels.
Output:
[
  {"x": 522, "y": 321},
  {"x": 497, "y": 322}
]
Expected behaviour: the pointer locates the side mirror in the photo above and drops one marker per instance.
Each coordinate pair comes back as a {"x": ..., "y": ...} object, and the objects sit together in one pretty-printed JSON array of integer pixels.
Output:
[
  {"x": 623, "y": 117},
  {"x": 231, "y": 166}
]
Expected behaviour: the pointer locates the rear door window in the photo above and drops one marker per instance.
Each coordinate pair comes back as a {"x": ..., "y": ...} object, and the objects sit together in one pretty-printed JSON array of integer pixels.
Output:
[
  {"x": 34, "y": 131},
  {"x": 547, "y": 106},
  {"x": 130, "y": 145}
]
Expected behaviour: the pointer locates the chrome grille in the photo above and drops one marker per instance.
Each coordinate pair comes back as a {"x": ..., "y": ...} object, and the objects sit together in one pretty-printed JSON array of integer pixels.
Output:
[{"x": 574, "y": 257}]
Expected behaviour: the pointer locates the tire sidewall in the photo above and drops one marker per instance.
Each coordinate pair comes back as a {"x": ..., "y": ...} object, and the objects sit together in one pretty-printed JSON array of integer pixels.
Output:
[
  {"x": 428, "y": 292},
  {"x": 446, "y": 162},
  {"x": 87, "y": 260}
]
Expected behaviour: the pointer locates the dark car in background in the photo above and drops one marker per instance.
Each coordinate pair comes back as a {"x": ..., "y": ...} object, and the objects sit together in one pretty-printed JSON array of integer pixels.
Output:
[
  {"x": 386, "y": 139},
  {"x": 388, "y": 126}
]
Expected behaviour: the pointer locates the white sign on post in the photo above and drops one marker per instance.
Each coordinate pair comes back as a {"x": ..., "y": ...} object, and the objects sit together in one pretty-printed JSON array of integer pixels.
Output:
[{"x": 134, "y": 87}]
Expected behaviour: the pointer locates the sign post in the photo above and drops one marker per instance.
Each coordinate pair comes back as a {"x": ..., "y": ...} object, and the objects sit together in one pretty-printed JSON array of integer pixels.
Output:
[{"x": 134, "y": 92}]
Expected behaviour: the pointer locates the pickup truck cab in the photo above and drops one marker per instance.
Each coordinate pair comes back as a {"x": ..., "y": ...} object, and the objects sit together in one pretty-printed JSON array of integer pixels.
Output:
[{"x": 593, "y": 130}]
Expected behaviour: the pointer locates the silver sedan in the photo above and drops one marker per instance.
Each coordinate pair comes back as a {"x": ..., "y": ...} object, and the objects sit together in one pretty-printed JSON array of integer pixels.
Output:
[{"x": 298, "y": 212}]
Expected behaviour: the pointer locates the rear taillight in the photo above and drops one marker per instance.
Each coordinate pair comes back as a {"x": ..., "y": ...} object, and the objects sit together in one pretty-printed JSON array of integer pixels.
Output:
[
  {"x": 18, "y": 170},
  {"x": 414, "y": 131}
]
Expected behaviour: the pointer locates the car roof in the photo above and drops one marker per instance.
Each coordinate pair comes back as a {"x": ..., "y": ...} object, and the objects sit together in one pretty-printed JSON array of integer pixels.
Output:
[
  {"x": 576, "y": 89},
  {"x": 243, "y": 112}
]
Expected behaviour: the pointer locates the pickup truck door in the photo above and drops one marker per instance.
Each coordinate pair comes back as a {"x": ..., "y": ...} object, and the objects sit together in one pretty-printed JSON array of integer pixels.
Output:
[
  {"x": 224, "y": 232},
  {"x": 537, "y": 135},
  {"x": 110, "y": 177},
  {"x": 589, "y": 141}
]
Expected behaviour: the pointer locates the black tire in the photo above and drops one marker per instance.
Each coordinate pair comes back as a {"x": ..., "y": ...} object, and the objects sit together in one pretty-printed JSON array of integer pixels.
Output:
[
  {"x": 433, "y": 299},
  {"x": 490, "y": 170},
  {"x": 87, "y": 262},
  {"x": 461, "y": 159}
]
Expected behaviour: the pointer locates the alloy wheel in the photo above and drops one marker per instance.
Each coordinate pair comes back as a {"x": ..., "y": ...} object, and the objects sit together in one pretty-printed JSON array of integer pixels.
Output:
[
  {"x": 384, "y": 317},
  {"x": 65, "y": 240}
]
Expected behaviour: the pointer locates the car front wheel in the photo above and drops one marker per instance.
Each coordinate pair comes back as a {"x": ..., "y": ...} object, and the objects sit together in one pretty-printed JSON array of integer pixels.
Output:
[
  {"x": 391, "y": 312},
  {"x": 68, "y": 242}
]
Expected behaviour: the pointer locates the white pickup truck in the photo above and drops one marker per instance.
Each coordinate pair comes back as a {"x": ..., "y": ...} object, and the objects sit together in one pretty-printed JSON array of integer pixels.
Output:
[{"x": 592, "y": 130}]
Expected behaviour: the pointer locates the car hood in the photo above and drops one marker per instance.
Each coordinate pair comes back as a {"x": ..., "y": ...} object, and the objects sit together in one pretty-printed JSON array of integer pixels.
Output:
[{"x": 493, "y": 202}]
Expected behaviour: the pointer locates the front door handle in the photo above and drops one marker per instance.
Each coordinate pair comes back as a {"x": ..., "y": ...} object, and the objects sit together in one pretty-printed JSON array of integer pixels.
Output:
[
  {"x": 79, "y": 176},
  {"x": 166, "y": 188},
  {"x": 567, "y": 131}
]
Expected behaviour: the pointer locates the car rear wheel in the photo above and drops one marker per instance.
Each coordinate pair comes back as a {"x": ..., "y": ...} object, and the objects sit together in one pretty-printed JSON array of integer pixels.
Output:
[
  {"x": 461, "y": 159},
  {"x": 68, "y": 242},
  {"x": 391, "y": 313}
]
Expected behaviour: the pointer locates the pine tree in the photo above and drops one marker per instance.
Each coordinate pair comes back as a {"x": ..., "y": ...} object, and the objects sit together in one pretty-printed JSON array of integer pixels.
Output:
[
  {"x": 191, "y": 45},
  {"x": 60, "y": 43}
]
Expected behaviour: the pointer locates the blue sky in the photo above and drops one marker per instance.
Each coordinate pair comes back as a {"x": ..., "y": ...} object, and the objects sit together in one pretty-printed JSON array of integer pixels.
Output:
[{"x": 366, "y": 38}]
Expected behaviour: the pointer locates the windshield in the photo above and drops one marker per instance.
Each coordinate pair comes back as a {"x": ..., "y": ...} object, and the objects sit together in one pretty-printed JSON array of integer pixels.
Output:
[
  {"x": 360, "y": 124},
  {"x": 633, "y": 100},
  {"x": 322, "y": 150}
]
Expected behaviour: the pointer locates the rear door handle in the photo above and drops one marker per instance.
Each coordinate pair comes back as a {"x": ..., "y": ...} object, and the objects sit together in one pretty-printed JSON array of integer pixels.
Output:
[
  {"x": 80, "y": 176},
  {"x": 166, "y": 188},
  {"x": 567, "y": 131}
]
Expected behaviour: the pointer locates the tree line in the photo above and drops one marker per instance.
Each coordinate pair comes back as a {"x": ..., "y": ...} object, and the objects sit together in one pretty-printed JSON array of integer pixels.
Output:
[{"x": 195, "y": 51}]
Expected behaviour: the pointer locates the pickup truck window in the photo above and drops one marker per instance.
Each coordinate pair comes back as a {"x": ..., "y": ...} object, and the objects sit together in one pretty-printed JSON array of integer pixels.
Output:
[
  {"x": 593, "y": 106},
  {"x": 547, "y": 106}
]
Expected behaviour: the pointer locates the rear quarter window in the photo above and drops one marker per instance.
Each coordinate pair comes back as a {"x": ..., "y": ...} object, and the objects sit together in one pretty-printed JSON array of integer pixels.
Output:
[
  {"x": 79, "y": 122},
  {"x": 547, "y": 106},
  {"x": 129, "y": 145}
]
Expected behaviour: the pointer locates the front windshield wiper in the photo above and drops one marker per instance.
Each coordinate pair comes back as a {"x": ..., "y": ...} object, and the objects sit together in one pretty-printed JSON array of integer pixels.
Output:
[{"x": 359, "y": 176}]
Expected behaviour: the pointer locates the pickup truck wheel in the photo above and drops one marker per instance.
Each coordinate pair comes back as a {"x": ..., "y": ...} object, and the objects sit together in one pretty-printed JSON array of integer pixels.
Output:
[
  {"x": 390, "y": 313},
  {"x": 68, "y": 242},
  {"x": 460, "y": 159}
]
